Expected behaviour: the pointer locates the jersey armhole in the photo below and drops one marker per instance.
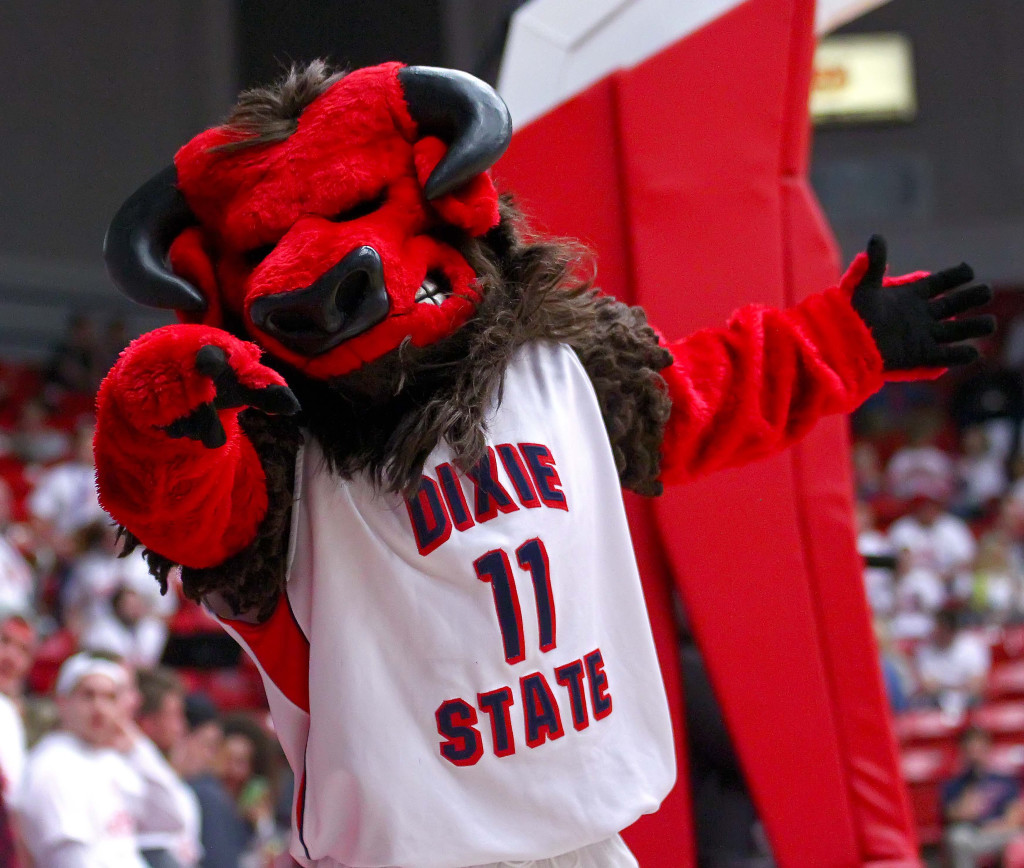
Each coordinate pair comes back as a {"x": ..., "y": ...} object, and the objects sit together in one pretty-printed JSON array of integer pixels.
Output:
[{"x": 279, "y": 648}]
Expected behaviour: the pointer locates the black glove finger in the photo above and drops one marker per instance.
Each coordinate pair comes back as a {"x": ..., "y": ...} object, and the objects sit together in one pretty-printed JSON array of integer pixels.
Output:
[
  {"x": 201, "y": 424},
  {"x": 943, "y": 281},
  {"x": 212, "y": 361},
  {"x": 276, "y": 400},
  {"x": 954, "y": 303},
  {"x": 951, "y": 357},
  {"x": 876, "y": 261},
  {"x": 963, "y": 329}
]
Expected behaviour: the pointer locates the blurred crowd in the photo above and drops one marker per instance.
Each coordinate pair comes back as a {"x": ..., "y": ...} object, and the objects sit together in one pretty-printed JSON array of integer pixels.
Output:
[
  {"x": 939, "y": 474},
  {"x": 942, "y": 534},
  {"x": 131, "y": 732}
]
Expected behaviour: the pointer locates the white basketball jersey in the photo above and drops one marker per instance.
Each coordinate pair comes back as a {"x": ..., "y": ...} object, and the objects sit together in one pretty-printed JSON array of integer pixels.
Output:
[{"x": 482, "y": 681}]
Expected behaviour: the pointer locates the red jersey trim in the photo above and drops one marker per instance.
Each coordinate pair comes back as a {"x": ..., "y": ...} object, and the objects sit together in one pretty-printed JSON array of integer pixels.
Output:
[{"x": 281, "y": 649}]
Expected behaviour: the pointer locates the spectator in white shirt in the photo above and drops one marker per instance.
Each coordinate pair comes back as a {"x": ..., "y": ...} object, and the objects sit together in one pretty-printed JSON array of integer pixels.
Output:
[
  {"x": 12, "y": 749},
  {"x": 919, "y": 468},
  {"x": 131, "y": 631},
  {"x": 34, "y": 440},
  {"x": 952, "y": 666},
  {"x": 17, "y": 578},
  {"x": 873, "y": 545},
  {"x": 981, "y": 476},
  {"x": 64, "y": 499},
  {"x": 938, "y": 541},
  {"x": 916, "y": 586},
  {"x": 911, "y": 620},
  {"x": 95, "y": 576},
  {"x": 92, "y": 787}
]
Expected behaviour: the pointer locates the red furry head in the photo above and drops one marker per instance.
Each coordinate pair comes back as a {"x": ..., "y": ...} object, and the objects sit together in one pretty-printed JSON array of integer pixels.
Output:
[{"x": 320, "y": 237}]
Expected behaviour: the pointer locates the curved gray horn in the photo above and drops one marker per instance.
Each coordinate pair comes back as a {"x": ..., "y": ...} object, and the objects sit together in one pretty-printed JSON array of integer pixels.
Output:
[
  {"x": 138, "y": 238},
  {"x": 463, "y": 111}
]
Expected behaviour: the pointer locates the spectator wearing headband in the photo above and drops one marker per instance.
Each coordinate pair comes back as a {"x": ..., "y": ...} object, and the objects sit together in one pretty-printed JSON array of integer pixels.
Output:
[{"x": 92, "y": 787}]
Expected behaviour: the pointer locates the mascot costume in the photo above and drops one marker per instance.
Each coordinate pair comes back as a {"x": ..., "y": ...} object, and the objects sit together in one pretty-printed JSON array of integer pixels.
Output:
[{"x": 386, "y": 446}]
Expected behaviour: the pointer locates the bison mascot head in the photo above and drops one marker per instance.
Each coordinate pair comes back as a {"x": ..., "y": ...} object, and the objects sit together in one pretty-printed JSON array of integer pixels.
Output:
[{"x": 346, "y": 223}]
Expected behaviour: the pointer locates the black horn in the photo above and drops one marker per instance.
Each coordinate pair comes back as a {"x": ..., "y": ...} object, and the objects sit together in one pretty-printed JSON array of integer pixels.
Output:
[
  {"x": 464, "y": 112},
  {"x": 137, "y": 241}
]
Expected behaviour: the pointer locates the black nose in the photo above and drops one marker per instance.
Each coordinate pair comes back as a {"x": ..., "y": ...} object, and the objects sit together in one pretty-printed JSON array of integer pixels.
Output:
[{"x": 340, "y": 304}]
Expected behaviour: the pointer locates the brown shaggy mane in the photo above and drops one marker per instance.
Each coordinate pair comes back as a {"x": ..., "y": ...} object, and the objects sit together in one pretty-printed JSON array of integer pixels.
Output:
[{"x": 271, "y": 114}]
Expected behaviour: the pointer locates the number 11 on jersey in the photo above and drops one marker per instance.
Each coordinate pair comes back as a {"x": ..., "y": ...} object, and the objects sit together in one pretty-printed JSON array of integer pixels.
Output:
[{"x": 494, "y": 567}]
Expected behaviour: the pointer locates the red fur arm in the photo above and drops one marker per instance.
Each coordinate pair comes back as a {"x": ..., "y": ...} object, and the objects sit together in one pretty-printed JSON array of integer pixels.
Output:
[
  {"x": 194, "y": 505},
  {"x": 756, "y": 386}
]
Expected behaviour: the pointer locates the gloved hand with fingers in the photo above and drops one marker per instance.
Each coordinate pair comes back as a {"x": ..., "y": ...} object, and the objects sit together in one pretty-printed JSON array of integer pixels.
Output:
[
  {"x": 173, "y": 463},
  {"x": 911, "y": 318}
]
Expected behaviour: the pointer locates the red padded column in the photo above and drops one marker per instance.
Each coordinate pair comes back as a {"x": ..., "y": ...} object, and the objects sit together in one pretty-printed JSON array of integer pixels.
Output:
[
  {"x": 702, "y": 159},
  {"x": 687, "y": 176},
  {"x": 565, "y": 170}
]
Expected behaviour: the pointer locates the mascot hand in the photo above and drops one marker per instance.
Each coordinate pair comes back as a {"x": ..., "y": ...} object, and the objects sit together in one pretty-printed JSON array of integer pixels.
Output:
[
  {"x": 910, "y": 317},
  {"x": 171, "y": 400},
  {"x": 203, "y": 423}
]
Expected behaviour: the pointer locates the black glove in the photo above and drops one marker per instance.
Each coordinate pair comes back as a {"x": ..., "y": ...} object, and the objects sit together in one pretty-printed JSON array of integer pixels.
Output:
[
  {"x": 203, "y": 424},
  {"x": 911, "y": 322}
]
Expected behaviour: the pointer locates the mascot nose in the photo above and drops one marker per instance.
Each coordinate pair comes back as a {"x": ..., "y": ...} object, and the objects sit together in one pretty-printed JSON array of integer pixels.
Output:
[{"x": 340, "y": 304}]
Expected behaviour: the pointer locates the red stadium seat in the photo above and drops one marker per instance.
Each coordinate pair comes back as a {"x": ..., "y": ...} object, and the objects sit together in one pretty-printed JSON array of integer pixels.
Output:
[
  {"x": 1004, "y": 721},
  {"x": 1007, "y": 758},
  {"x": 1006, "y": 681},
  {"x": 191, "y": 618},
  {"x": 924, "y": 802},
  {"x": 1010, "y": 645},
  {"x": 926, "y": 765},
  {"x": 924, "y": 769},
  {"x": 928, "y": 727},
  {"x": 52, "y": 652}
]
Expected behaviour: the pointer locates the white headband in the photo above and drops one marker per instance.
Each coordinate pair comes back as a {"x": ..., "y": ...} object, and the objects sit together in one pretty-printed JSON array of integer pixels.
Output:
[{"x": 77, "y": 667}]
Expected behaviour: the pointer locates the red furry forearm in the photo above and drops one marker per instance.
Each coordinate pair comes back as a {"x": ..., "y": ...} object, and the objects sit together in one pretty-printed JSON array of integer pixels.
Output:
[
  {"x": 194, "y": 505},
  {"x": 756, "y": 386}
]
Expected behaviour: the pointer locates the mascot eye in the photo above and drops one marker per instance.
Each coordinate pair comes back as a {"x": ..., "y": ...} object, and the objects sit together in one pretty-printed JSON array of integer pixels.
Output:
[
  {"x": 361, "y": 210},
  {"x": 256, "y": 255}
]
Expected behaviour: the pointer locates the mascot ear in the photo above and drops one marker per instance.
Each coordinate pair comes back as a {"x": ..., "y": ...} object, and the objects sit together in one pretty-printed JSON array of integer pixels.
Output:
[
  {"x": 190, "y": 261},
  {"x": 473, "y": 206}
]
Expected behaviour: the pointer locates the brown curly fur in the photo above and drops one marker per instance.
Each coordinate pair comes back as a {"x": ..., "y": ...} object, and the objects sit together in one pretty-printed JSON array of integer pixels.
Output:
[{"x": 271, "y": 114}]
